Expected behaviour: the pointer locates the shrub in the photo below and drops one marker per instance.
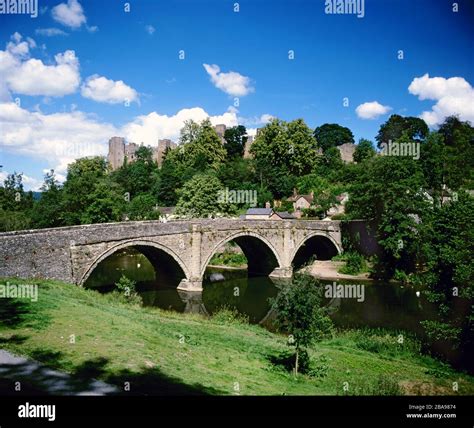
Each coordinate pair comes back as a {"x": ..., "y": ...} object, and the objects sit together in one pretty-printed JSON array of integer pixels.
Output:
[
  {"x": 355, "y": 264},
  {"x": 228, "y": 315},
  {"x": 387, "y": 343},
  {"x": 229, "y": 259},
  {"x": 383, "y": 386},
  {"x": 386, "y": 385},
  {"x": 126, "y": 288}
]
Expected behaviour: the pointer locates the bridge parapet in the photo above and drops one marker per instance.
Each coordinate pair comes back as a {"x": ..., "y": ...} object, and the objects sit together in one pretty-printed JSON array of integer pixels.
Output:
[{"x": 71, "y": 253}]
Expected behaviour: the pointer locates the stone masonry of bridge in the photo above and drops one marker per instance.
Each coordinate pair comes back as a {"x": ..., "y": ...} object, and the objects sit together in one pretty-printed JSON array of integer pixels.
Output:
[{"x": 70, "y": 254}]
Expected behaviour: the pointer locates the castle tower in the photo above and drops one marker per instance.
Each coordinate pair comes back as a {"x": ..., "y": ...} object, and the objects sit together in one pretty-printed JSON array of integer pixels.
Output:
[
  {"x": 116, "y": 154},
  {"x": 159, "y": 152},
  {"x": 220, "y": 131},
  {"x": 130, "y": 150},
  {"x": 247, "y": 146}
]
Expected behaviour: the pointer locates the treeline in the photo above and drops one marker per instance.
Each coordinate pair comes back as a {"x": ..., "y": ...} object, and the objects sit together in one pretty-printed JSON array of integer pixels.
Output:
[
  {"x": 421, "y": 202},
  {"x": 285, "y": 156}
]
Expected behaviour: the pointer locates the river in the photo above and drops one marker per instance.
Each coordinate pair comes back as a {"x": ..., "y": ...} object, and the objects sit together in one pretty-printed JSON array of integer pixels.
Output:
[{"x": 388, "y": 305}]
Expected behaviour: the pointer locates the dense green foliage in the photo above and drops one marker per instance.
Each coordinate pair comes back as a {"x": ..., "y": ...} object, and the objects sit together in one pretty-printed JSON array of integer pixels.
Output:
[
  {"x": 235, "y": 139},
  {"x": 364, "y": 150},
  {"x": 332, "y": 135},
  {"x": 199, "y": 197},
  {"x": 287, "y": 148},
  {"x": 414, "y": 127},
  {"x": 355, "y": 263},
  {"x": 421, "y": 206},
  {"x": 15, "y": 204}
]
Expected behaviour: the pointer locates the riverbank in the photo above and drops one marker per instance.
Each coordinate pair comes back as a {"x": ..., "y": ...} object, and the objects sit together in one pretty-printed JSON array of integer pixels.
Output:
[
  {"x": 242, "y": 267},
  {"x": 90, "y": 335},
  {"x": 322, "y": 269},
  {"x": 328, "y": 269}
]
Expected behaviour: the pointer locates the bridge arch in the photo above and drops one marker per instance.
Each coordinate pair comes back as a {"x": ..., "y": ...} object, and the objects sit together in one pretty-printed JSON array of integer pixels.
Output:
[
  {"x": 153, "y": 251},
  {"x": 323, "y": 245},
  {"x": 251, "y": 243}
]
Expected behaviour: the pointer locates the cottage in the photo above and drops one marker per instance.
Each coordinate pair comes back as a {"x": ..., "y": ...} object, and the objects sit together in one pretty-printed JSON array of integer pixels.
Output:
[
  {"x": 340, "y": 207},
  {"x": 258, "y": 214},
  {"x": 281, "y": 215},
  {"x": 301, "y": 202}
]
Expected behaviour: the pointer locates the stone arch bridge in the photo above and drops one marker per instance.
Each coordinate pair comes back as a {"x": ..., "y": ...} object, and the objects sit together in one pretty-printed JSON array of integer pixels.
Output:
[{"x": 181, "y": 249}]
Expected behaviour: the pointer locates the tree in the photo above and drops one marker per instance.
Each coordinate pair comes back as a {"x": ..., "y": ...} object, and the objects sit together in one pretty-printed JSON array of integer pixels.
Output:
[
  {"x": 389, "y": 191},
  {"x": 47, "y": 211},
  {"x": 278, "y": 181},
  {"x": 447, "y": 273},
  {"x": 140, "y": 176},
  {"x": 325, "y": 192},
  {"x": 104, "y": 204},
  {"x": 15, "y": 204},
  {"x": 330, "y": 162},
  {"x": 12, "y": 195},
  {"x": 415, "y": 128},
  {"x": 432, "y": 160},
  {"x": 87, "y": 194},
  {"x": 171, "y": 180},
  {"x": 235, "y": 138},
  {"x": 332, "y": 135},
  {"x": 199, "y": 197},
  {"x": 300, "y": 313},
  {"x": 238, "y": 173},
  {"x": 458, "y": 152},
  {"x": 143, "y": 207},
  {"x": 286, "y": 145},
  {"x": 200, "y": 151},
  {"x": 364, "y": 150},
  {"x": 189, "y": 132},
  {"x": 200, "y": 147}
]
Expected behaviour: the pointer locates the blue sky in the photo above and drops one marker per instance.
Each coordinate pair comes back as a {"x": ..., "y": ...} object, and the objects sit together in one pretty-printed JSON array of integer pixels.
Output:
[{"x": 69, "y": 105}]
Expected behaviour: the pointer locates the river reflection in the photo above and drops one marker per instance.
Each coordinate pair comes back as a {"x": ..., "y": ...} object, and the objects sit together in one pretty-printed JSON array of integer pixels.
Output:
[{"x": 385, "y": 304}]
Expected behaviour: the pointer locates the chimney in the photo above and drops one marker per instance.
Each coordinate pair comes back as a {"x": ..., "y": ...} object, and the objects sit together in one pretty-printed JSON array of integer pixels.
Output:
[
  {"x": 267, "y": 204},
  {"x": 312, "y": 194},
  {"x": 294, "y": 191}
]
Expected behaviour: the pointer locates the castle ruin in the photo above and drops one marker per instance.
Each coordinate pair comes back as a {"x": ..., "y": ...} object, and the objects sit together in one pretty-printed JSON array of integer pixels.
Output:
[{"x": 119, "y": 149}]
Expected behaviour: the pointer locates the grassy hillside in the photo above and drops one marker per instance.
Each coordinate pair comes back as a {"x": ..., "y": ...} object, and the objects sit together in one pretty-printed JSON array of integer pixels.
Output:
[{"x": 162, "y": 352}]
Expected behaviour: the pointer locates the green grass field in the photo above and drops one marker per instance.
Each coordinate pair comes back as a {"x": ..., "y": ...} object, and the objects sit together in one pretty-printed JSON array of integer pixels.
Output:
[{"x": 163, "y": 352}]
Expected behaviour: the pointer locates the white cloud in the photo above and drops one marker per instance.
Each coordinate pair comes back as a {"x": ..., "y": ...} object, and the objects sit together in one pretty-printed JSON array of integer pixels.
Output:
[
  {"x": 33, "y": 77},
  {"x": 252, "y": 132},
  {"x": 101, "y": 89},
  {"x": 50, "y": 32},
  {"x": 28, "y": 76},
  {"x": 5, "y": 95},
  {"x": 150, "y": 29},
  {"x": 231, "y": 83},
  {"x": 31, "y": 183},
  {"x": 149, "y": 128},
  {"x": 256, "y": 120},
  {"x": 69, "y": 14},
  {"x": 18, "y": 47},
  {"x": 57, "y": 138},
  {"x": 454, "y": 96},
  {"x": 371, "y": 110}
]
